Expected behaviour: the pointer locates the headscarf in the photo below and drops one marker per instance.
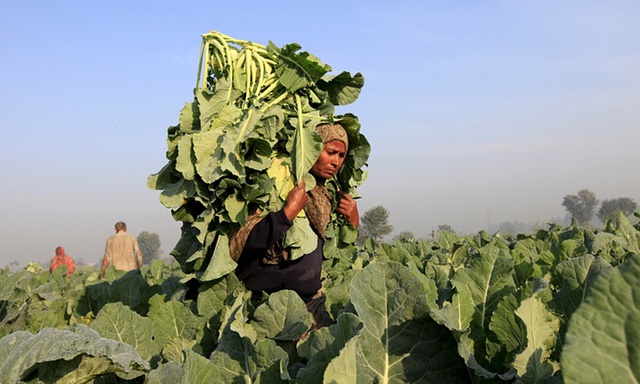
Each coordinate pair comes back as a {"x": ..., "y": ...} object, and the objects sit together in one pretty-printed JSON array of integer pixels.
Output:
[{"x": 331, "y": 132}]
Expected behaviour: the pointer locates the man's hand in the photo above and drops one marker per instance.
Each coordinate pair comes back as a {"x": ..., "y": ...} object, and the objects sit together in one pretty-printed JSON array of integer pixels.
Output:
[
  {"x": 296, "y": 200},
  {"x": 349, "y": 209}
]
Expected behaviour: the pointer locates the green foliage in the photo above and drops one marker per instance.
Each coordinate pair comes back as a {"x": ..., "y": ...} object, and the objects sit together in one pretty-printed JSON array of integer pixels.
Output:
[
  {"x": 603, "y": 335},
  {"x": 76, "y": 355},
  {"x": 557, "y": 305},
  {"x": 399, "y": 341}
]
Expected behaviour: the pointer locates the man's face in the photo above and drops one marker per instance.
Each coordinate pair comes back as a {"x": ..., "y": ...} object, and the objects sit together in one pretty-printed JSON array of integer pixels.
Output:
[{"x": 330, "y": 160}]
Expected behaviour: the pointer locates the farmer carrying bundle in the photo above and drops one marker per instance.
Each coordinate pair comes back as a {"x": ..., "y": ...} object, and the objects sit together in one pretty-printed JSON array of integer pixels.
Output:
[
  {"x": 264, "y": 265},
  {"x": 250, "y": 157}
]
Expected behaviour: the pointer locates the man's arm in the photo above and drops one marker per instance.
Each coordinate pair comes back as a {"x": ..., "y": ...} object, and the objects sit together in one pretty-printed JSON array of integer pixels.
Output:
[
  {"x": 137, "y": 252},
  {"x": 106, "y": 260}
]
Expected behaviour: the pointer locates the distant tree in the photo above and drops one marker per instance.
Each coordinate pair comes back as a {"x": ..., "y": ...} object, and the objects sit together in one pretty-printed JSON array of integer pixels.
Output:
[
  {"x": 581, "y": 206},
  {"x": 610, "y": 208},
  {"x": 149, "y": 245},
  {"x": 405, "y": 235},
  {"x": 375, "y": 223},
  {"x": 513, "y": 227},
  {"x": 446, "y": 227}
]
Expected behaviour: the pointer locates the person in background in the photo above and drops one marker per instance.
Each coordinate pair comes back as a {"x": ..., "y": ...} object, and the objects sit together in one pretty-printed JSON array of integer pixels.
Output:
[
  {"x": 263, "y": 265},
  {"x": 122, "y": 251},
  {"x": 61, "y": 258}
]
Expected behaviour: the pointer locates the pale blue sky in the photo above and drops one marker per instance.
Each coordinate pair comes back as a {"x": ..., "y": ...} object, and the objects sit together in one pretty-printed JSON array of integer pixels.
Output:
[{"x": 477, "y": 112}]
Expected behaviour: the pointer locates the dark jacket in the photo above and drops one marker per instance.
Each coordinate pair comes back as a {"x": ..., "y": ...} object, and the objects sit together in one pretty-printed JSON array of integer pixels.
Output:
[{"x": 301, "y": 275}]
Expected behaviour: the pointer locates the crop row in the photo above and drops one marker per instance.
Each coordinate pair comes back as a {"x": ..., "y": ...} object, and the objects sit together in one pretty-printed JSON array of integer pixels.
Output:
[{"x": 557, "y": 305}]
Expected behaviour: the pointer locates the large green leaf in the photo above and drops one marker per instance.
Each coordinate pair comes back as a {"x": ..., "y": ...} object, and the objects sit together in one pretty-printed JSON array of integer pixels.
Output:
[
  {"x": 211, "y": 104},
  {"x": 67, "y": 353},
  {"x": 456, "y": 314},
  {"x": 603, "y": 337},
  {"x": 399, "y": 342},
  {"x": 227, "y": 159},
  {"x": 236, "y": 318},
  {"x": 237, "y": 207},
  {"x": 130, "y": 289},
  {"x": 622, "y": 227},
  {"x": 188, "y": 119},
  {"x": 300, "y": 238},
  {"x": 185, "y": 160},
  {"x": 245, "y": 128},
  {"x": 342, "y": 369},
  {"x": 609, "y": 246},
  {"x": 482, "y": 286},
  {"x": 506, "y": 326},
  {"x": 172, "y": 319},
  {"x": 534, "y": 363},
  {"x": 199, "y": 369},
  {"x": 307, "y": 146},
  {"x": 283, "y": 317},
  {"x": 172, "y": 372},
  {"x": 204, "y": 144},
  {"x": 116, "y": 321},
  {"x": 176, "y": 194},
  {"x": 221, "y": 262},
  {"x": 297, "y": 70},
  {"x": 230, "y": 116},
  {"x": 215, "y": 299},
  {"x": 343, "y": 89},
  {"x": 238, "y": 359},
  {"x": 42, "y": 314},
  {"x": 576, "y": 276},
  {"x": 325, "y": 345},
  {"x": 486, "y": 281}
]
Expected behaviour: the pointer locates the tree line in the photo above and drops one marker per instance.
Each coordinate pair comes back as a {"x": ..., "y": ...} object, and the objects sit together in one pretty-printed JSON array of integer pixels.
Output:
[
  {"x": 374, "y": 223},
  {"x": 582, "y": 207}
]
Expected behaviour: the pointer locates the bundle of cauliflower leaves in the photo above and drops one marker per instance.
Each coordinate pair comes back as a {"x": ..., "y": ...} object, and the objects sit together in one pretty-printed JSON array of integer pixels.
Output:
[{"x": 243, "y": 143}]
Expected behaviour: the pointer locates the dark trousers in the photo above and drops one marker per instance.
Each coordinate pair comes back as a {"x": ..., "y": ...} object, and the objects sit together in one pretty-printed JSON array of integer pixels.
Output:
[{"x": 316, "y": 306}]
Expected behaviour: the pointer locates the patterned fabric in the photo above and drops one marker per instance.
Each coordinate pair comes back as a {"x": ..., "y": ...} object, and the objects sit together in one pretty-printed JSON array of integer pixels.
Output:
[
  {"x": 62, "y": 258},
  {"x": 331, "y": 132},
  {"x": 239, "y": 238},
  {"x": 318, "y": 209},
  {"x": 274, "y": 255}
]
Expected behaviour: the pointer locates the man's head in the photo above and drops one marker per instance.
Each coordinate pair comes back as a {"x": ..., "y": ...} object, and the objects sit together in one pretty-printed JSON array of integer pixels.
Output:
[
  {"x": 59, "y": 251},
  {"x": 121, "y": 226},
  {"x": 336, "y": 144}
]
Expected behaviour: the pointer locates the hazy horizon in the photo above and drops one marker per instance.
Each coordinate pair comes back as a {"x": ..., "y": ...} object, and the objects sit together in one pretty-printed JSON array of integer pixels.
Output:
[{"x": 477, "y": 113}]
